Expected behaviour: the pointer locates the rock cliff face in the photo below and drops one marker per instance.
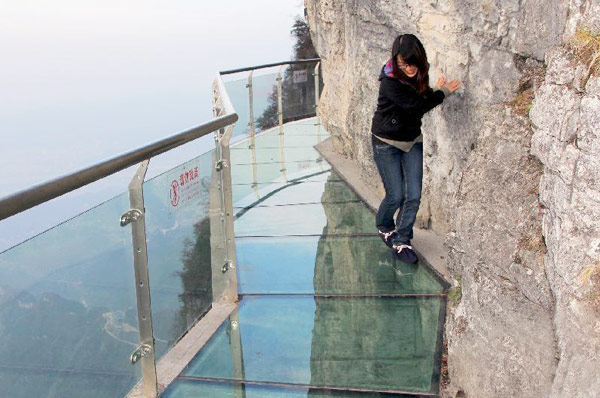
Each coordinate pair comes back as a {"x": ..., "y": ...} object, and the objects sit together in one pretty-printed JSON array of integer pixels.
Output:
[{"x": 512, "y": 164}]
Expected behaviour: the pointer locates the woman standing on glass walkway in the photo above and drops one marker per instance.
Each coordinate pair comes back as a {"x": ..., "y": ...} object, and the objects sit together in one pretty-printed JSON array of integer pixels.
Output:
[{"x": 404, "y": 97}]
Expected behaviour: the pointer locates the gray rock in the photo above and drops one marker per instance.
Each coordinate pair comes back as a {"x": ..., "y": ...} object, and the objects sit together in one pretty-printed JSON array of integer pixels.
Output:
[
  {"x": 564, "y": 69},
  {"x": 516, "y": 192}
]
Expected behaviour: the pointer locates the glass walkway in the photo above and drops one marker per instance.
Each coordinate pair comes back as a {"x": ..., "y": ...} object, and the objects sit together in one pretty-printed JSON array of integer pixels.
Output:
[
  {"x": 325, "y": 309},
  {"x": 321, "y": 307}
]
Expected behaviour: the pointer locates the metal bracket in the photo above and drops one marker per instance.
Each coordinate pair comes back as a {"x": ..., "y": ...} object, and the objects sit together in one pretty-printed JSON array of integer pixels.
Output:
[
  {"x": 221, "y": 164},
  {"x": 131, "y": 216},
  {"x": 142, "y": 351},
  {"x": 227, "y": 266}
]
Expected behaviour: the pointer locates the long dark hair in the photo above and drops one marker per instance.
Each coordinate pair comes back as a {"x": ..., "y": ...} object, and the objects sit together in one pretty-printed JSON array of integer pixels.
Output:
[{"x": 412, "y": 52}]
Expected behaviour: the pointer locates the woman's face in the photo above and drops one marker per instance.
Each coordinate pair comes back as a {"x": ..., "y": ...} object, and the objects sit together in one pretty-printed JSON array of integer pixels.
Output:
[{"x": 409, "y": 70}]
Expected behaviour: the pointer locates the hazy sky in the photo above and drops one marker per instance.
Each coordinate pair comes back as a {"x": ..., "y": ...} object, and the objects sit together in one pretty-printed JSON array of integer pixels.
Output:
[{"x": 81, "y": 81}]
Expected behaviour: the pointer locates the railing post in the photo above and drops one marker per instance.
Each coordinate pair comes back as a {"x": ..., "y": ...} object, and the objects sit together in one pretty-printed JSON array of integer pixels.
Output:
[
  {"x": 280, "y": 114},
  {"x": 317, "y": 87},
  {"x": 137, "y": 217},
  {"x": 254, "y": 171},
  {"x": 250, "y": 107},
  {"x": 317, "y": 115},
  {"x": 223, "y": 168},
  {"x": 252, "y": 145},
  {"x": 280, "y": 99},
  {"x": 224, "y": 279}
]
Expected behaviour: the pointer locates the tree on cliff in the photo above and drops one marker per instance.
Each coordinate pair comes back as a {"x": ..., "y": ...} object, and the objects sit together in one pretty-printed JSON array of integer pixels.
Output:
[
  {"x": 303, "y": 48},
  {"x": 297, "y": 97}
]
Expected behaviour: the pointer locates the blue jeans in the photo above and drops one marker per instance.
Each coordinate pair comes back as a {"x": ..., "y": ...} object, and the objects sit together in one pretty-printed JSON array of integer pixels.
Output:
[{"x": 402, "y": 176}]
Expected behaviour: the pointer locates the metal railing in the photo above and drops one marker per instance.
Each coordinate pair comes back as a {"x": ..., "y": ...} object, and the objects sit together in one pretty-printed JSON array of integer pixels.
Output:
[
  {"x": 38, "y": 194},
  {"x": 223, "y": 258},
  {"x": 250, "y": 68}
]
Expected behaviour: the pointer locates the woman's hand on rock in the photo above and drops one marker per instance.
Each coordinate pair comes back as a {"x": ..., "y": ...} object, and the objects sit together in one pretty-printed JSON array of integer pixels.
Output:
[
  {"x": 450, "y": 86},
  {"x": 440, "y": 82}
]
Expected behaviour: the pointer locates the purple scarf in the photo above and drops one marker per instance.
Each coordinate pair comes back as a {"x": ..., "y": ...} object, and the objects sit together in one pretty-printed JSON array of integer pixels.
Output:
[{"x": 388, "y": 69}]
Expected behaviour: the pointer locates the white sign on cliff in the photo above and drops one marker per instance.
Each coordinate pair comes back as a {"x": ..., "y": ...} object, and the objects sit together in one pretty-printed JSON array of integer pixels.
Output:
[{"x": 300, "y": 76}]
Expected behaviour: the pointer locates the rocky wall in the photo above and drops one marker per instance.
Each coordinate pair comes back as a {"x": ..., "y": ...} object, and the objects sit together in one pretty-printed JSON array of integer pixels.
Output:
[
  {"x": 511, "y": 184},
  {"x": 566, "y": 118}
]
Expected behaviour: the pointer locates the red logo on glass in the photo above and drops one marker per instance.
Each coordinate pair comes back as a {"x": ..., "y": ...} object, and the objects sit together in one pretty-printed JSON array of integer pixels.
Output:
[{"x": 174, "y": 193}]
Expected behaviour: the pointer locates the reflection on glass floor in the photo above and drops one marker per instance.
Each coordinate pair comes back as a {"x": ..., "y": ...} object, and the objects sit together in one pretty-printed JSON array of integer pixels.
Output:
[
  {"x": 327, "y": 265},
  {"x": 325, "y": 310},
  {"x": 188, "y": 388}
]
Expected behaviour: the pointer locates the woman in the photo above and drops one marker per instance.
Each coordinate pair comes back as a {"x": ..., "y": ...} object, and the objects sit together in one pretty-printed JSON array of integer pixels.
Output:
[{"x": 404, "y": 97}]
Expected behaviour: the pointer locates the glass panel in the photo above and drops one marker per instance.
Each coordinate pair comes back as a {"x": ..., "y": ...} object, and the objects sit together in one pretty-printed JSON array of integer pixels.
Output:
[
  {"x": 273, "y": 155},
  {"x": 68, "y": 319},
  {"x": 277, "y": 192},
  {"x": 298, "y": 91},
  {"x": 186, "y": 388},
  {"x": 304, "y": 192},
  {"x": 272, "y": 172},
  {"x": 327, "y": 265},
  {"x": 309, "y": 121},
  {"x": 179, "y": 255},
  {"x": 305, "y": 127},
  {"x": 294, "y": 136},
  {"x": 238, "y": 94},
  {"x": 264, "y": 90},
  {"x": 371, "y": 343},
  {"x": 265, "y": 161},
  {"x": 307, "y": 175},
  {"x": 264, "y": 99},
  {"x": 314, "y": 219}
]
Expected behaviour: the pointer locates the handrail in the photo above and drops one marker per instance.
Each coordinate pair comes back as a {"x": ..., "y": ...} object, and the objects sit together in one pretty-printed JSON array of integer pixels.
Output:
[
  {"x": 300, "y": 61},
  {"x": 28, "y": 198}
]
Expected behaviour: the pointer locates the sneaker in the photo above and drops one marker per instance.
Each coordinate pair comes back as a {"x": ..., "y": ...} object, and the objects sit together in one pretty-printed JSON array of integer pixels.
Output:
[
  {"x": 405, "y": 253},
  {"x": 387, "y": 237}
]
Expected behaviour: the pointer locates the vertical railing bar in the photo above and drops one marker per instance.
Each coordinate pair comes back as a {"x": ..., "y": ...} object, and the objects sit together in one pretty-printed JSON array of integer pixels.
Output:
[
  {"x": 237, "y": 353},
  {"x": 317, "y": 113},
  {"x": 254, "y": 172},
  {"x": 280, "y": 115},
  {"x": 223, "y": 169},
  {"x": 252, "y": 145},
  {"x": 227, "y": 194},
  {"x": 137, "y": 217},
  {"x": 220, "y": 165},
  {"x": 223, "y": 213},
  {"x": 251, "y": 108},
  {"x": 317, "y": 87},
  {"x": 280, "y": 99},
  {"x": 221, "y": 185}
]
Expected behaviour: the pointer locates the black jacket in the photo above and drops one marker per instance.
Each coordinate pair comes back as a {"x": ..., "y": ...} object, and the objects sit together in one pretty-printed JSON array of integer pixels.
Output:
[{"x": 400, "y": 109}]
